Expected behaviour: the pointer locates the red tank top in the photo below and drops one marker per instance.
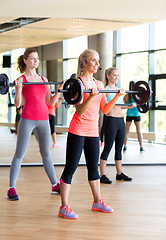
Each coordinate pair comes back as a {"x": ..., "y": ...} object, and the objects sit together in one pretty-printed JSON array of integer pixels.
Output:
[
  {"x": 35, "y": 107},
  {"x": 88, "y": 123}
]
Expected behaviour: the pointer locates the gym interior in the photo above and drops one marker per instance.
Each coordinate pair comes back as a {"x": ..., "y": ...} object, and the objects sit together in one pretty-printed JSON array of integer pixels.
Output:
[{"x": 128, "y": 35}]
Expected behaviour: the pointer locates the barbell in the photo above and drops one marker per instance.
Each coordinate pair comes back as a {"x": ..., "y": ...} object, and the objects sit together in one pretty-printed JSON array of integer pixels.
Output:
[
  {"x": 5, "y": 84},
  {"x": 142, "y": 108},
  {"x": 73, "y": 89}
]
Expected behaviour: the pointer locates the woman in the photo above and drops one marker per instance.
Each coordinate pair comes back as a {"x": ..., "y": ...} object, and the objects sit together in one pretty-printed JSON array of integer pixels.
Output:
[
  {"x": 114, "y": 130},
  {"x": 52, "y": 114},
  {"x": 83, "y": 134},
  {"x": 34, "y": 116},
  {"x": 132, "y": 115}
]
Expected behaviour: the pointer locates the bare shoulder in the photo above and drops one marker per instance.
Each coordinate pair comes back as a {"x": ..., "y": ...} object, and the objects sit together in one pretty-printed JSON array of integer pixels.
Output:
[
  {"x": 100, "y": 83},
  {"x": 19, "y": 79}
]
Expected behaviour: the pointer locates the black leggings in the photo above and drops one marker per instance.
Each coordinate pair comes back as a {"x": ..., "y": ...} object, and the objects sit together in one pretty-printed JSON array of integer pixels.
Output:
[
  {"x": 75, "y": 145},
  {"x": 114, "y": 130},
  {"x": 102, "y": 129},
  {"x": 52, "y": 123}
]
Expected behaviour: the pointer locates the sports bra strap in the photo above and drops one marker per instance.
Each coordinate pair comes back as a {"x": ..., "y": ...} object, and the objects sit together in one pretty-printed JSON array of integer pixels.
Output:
[
  {"x": 42, "y": 78},
  {"x": 25, "y": 80}
]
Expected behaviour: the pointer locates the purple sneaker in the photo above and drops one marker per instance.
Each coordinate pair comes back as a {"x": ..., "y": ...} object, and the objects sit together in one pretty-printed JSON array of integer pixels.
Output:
[
  {"x": 67, "y": 213},
  {"x": 101, "y": 206},
  {"x": 56, "y": 189},
  {"x": 12, "y": 195}
]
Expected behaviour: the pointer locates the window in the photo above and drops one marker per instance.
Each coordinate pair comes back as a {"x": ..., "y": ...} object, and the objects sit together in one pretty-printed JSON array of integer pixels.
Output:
[
  {"x": 160, "y": 35},
  {"x": 160, "y": 62},
  {"x": 134, "y": 67},
  {"x": 72, "y": 48},
  {"x": 7, "y": 114},
  {"x": 134, "y": 39}
]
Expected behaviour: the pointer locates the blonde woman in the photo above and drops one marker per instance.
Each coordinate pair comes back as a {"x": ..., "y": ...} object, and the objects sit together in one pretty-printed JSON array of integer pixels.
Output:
[{"x": 83, "y": 134}]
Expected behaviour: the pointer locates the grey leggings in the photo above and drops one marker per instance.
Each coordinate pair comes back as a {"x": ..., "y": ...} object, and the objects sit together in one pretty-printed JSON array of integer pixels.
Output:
[{"x": 25, "y": 129}]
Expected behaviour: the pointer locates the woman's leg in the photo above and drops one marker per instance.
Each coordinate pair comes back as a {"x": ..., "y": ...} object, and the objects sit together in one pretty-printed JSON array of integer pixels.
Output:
[
  {"x": 91, "y": 150},
  {"x": 119, "y": 140},
  {"x": 118, "y": 150},
  {"x": 139, "y": 134},
  {"x": 102, "y": 130},
  {"x": 43, "y": 133},
  {"x": 110, "y": 134},
  {"x": 65, "y": 190},
  {"x": 52, "y": 128},
  {"x": 128, "y": 124},
  {"x": 95, "y": 188},
  {"x": 73, "y": 153},
  {"x": 24, "y": 132}
]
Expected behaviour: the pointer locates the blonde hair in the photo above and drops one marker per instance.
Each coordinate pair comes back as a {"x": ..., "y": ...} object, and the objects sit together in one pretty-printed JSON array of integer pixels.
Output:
[
  {"x": 108, "y": 71},
  {"x": 83, "y": 57},
  {"x": 20, "y": 61}
]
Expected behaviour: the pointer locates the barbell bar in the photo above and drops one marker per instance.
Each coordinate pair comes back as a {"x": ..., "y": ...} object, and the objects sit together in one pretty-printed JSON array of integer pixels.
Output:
[
  {"x": 73, "y": 91},
  {"x": 142, "y": 108},
  {"x": 5, "y": 84}
]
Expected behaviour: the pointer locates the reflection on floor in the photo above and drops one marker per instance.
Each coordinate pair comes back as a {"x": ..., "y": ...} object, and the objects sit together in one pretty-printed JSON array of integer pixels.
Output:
[{"x": 154, "y": 153}]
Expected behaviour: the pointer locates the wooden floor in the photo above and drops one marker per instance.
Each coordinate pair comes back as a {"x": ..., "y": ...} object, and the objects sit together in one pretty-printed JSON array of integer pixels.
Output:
[{"x": 140, "y": 205}]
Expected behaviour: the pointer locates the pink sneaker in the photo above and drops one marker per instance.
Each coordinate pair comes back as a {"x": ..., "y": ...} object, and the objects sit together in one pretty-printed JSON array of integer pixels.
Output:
[
  {"x": 56, "y": 189},
  {"x": 102, "y": 144},
  {"x": 55, "y": 145},
  {"x": 12, "y": 195}
]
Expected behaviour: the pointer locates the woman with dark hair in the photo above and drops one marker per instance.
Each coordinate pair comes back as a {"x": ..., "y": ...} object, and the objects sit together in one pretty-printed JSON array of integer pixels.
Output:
[
  {"x": 34, "y": 116},
  {"x": 132, "y": 115}
]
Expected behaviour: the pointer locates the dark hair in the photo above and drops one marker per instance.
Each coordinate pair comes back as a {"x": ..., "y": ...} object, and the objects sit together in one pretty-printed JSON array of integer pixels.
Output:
[
  {"x": 108, "y": 71},
  {"x": 131, "y": 83},
  {"x": 20, "y": 61}
]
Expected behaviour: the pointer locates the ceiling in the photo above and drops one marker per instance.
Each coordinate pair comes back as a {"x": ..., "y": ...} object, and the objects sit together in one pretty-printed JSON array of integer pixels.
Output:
[{"x": 72, "y": 18}]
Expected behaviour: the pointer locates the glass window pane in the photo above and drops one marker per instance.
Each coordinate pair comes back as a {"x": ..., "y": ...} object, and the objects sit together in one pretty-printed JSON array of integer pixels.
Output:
[
  {"x": 135, "y": 38},
  {"x": 160, "y": 125},
  {"x": 134, "y": 67},
  {"x": 160, "y": 91},
  {"x": 4, "y": 108},
  {"x": 74, "y": 47},
  {"x": 160, "y": 35},
  {"x": 160, "y": 62}
]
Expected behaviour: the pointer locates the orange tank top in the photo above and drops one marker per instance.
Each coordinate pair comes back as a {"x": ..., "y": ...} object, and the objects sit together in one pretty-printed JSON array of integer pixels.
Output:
[
  {"x": 88, "y": 123},
  {"x": 51, "y": 110}
]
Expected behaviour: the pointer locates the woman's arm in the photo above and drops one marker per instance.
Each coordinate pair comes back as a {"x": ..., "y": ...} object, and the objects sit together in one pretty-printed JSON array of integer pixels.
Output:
[
  {"x": 58, "y": 103},
  {"x": 18, "y": 92},
  {"x": 51, "y": 100},
  {"x": 125, "y": 99},
  {"x": 81, "y": 107},
  {"x": 106, "y": 107}
]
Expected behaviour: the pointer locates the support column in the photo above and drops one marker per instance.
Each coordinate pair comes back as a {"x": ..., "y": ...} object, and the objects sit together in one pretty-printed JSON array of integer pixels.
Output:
[
  {"x": 151, "y": 71},
  {"x": 103, "y": 44}
]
